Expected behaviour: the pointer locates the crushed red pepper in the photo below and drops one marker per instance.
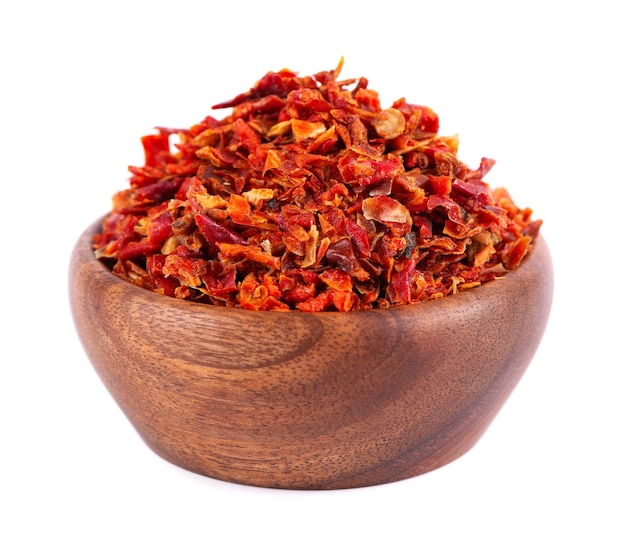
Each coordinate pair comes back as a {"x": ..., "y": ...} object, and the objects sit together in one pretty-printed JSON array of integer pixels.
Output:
[{"x": 310, "y": 196}]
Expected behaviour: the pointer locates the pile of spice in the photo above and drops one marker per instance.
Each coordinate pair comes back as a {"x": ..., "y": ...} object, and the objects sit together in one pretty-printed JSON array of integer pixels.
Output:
[{"x": 310, "y": 196}]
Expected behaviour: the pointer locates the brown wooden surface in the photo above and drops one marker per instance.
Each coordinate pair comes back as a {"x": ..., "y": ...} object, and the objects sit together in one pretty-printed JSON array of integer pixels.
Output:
[{"x": 310, "y": 400}]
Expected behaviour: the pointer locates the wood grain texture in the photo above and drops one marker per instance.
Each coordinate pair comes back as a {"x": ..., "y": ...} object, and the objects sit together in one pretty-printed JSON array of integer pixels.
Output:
[{"x": 310, "y": 400}]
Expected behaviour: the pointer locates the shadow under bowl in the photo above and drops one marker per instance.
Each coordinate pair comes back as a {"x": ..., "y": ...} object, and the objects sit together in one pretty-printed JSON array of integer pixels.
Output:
[{"x": 310, "y": 400}]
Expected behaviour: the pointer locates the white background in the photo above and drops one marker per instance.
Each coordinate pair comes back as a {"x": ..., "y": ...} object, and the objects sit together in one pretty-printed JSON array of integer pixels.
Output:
[{"x": 536, "y": 85}]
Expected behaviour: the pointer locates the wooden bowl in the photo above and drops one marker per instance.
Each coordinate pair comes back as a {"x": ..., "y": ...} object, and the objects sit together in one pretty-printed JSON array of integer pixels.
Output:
[{"x": 310, "y": 400}]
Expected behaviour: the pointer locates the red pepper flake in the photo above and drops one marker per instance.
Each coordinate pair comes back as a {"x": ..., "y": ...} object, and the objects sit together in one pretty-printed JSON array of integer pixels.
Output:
[{"x": 310, "y": 196}]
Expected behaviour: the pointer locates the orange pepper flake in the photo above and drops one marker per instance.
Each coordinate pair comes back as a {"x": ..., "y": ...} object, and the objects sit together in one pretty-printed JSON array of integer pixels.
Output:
[{"x": 310, "y": 196}]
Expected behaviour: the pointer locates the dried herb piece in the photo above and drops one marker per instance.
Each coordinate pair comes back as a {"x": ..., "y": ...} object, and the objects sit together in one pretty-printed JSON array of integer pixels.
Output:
[{"x": 310, "y": 196}]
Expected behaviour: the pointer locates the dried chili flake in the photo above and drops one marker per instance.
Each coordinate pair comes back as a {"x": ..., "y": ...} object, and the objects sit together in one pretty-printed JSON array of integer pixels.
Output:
[{"x": 310, "y": 196}]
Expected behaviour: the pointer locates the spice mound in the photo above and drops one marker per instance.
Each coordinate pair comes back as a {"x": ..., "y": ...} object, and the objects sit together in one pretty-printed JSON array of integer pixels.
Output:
[{"x": 310, "y": 196}]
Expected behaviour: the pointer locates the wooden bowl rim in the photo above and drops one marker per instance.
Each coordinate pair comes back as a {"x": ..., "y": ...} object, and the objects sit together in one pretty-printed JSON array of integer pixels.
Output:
[{"x": 537, "y": 260}]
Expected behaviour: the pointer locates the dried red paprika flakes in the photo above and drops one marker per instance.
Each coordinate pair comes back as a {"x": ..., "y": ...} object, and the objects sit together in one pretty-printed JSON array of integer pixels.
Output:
[{"x": 310, "y": 196}]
